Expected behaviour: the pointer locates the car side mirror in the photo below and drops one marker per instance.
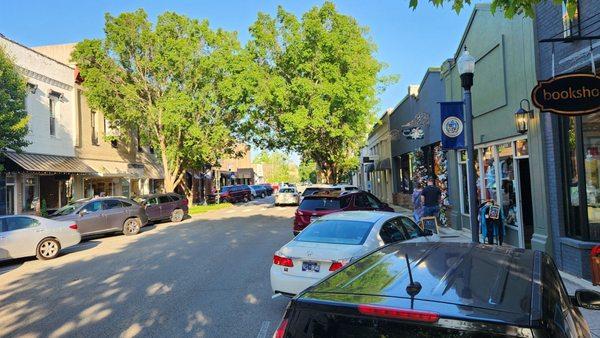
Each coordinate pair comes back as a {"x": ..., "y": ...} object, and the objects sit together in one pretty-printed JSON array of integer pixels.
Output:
[
  {"x": 587, "y": 299},
  {"x": 427, "y": 232},
  {"x": 83, "y": 213}
]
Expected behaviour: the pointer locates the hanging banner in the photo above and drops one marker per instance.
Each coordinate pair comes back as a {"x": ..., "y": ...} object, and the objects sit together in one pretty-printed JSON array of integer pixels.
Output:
[
  {"x": 452, "y": 125},
  {"x": 568, "y": 94}
]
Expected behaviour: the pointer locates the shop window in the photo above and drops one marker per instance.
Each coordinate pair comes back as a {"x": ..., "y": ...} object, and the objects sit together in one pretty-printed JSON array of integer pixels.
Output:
[
  {"x": 571, "y": 178},
  {"x": 591, "y": 148},
  {"x": 521, "y": 148},
  {"x": 508, "y": 197},
  {"x": 570, "y": 24},
  {"x": 30, "y": 193},
  {"x": 463, "y": 181},
  {"x": 490, "y": 166}
]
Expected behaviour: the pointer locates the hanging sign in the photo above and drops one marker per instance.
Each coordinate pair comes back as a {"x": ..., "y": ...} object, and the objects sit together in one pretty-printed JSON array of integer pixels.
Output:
[
  {"x": 415, "y": 133},
  {"x": 568, "y": 94},
  {"x": 452, "y": 125}
]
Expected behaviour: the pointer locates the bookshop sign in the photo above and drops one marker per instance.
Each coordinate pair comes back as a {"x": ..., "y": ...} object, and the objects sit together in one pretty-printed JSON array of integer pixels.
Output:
[{"x": 568, "y": 94}]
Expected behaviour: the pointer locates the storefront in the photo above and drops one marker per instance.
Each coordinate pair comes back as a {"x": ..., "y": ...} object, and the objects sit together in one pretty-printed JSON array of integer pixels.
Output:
[
  {"x": 416, "y": 135},
  {"x": 566, "y": 45}
]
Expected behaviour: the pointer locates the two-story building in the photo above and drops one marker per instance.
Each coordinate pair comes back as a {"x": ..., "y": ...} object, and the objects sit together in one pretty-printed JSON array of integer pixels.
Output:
[
  {"x": 41, "y": 176},
  {"x": 379, "y": 150}
]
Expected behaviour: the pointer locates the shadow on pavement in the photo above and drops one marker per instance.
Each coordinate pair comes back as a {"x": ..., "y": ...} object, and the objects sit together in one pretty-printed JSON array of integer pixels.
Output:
[{"x": 181, "y": 280}]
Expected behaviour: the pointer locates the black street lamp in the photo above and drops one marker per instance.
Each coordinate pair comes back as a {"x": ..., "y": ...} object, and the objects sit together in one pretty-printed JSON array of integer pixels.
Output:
[
  {"x": 466, "y": 69},
  {"x": 522, "y": 116}
]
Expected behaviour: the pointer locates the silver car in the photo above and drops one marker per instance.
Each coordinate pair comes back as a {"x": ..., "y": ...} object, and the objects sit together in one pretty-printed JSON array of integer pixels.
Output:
[
  {"x": 104, "y": 215},
  {"x": 287, "y": 196},
  {"x": 24, "y": 236}
]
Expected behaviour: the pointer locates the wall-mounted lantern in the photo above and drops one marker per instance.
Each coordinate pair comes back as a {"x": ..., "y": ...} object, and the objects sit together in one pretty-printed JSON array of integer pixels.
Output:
[{"x": 522, "y": 116}]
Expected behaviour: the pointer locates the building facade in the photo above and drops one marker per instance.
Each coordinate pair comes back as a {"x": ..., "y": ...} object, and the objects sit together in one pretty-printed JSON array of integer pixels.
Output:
[
  {"x": 379, "y": 150},
  {"x": 416, "y": 134},
  {"x": 571, "y": 143},
  {"x": 509, "y": 165},
  {"x": 38, "y": 179}
]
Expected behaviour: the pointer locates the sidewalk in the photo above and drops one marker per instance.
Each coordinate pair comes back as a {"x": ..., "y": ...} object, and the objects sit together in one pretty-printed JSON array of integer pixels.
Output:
[{"x": 571, "y": 282}]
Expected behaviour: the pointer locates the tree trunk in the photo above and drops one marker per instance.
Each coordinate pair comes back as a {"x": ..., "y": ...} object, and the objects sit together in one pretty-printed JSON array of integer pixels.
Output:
[{"x": 170, "y": 178}]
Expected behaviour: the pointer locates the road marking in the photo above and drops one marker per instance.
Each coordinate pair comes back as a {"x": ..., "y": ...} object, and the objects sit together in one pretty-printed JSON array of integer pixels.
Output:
[{"x": 264, "y": 327}]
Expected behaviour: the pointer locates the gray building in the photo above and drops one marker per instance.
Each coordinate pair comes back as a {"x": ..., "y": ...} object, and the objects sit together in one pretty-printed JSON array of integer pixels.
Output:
[
  {"x": 572, "y": 144},
  {"x": 415, "y": 134}
]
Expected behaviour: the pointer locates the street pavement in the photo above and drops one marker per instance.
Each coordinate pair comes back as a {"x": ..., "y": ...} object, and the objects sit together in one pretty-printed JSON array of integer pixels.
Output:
[{"x": 207, "y": 276}]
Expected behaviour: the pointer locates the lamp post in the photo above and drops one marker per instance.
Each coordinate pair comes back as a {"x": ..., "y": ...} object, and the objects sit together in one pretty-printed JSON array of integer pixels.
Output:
[{"x": 466, "y": 68}]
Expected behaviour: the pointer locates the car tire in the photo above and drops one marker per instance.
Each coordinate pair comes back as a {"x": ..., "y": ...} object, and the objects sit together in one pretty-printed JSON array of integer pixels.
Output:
[
  {"x": 47, "y": 248},
  {"x": 177, "y": 215},
  {"x": 245, "y": 199},
  {"x": 132, "y": 226}
]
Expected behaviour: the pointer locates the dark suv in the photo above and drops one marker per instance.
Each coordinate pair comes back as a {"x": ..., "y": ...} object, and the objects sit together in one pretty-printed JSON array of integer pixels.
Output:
[
  {"x": 327, "y": 201},
  {"x": 459, "y": 290},
  {"x": 232, "y": 194},
  {"x": 165, "y": 206}
]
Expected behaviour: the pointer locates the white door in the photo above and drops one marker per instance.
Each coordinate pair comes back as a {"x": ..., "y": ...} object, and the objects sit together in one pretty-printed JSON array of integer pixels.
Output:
[{"x": 21, "y": 236}]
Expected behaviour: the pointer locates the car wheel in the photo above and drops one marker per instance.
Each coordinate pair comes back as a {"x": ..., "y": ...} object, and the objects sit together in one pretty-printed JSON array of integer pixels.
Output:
[
  {"x": 177, "y": 215},
  {"x": 132, "y": 226},
  {"x": 48, "y": 248},
  {"x": 245, "y": 199}
]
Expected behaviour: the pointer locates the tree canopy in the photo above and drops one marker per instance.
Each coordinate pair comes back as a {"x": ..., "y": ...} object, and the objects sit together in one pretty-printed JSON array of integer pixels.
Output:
[
  {"x": 177, "y": 81},
  {"x": 314, "y": 86},
  {"x": 508, "y": 7},
  {"x": 277, "y": 167},
  {"x": 13, "y": 116}
]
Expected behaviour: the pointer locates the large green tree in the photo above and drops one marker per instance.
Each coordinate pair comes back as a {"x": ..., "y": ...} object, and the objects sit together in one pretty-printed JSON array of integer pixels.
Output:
[
  {"x": 13, "y": 116},
  {"x": 316, "y": 81},
  {"x": 177, "y": 81},
  {"x": 280, "y": 167},
  {"x": 508, "y": 7}
]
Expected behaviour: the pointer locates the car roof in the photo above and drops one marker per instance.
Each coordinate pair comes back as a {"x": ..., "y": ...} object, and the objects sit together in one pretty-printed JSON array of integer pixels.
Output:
[
  {"x": 361, "y": 215},
  {"x": 484, "y": 278}
]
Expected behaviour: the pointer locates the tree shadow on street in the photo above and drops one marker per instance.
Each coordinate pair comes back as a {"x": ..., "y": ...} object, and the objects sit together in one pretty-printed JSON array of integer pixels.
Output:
[{"x": 165, "y": 281}]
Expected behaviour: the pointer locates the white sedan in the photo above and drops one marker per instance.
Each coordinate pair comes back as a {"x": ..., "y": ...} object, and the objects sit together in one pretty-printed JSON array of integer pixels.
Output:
[
  {"x": 333, "y": 241},
  {"x": 24, "y": 236},
  {"x": 287, "y": 196}
]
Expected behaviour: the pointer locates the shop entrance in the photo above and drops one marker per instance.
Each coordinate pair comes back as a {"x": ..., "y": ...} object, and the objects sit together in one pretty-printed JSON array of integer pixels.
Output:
[
  {"x": 526, "y": 203},
  {"x": 10, "y": 199}
]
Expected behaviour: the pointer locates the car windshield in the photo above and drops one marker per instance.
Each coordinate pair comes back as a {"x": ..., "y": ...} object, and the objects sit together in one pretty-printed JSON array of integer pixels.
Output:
[
  {"x": 336, "y": 232},
  {"x": 287, "y": 190},
  {"x": 68, "y": 209}
]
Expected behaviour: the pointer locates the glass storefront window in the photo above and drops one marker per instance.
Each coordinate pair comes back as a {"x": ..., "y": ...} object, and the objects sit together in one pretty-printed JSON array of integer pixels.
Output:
[
  {"x": 591, "y": 150},
  {"x": 508, "y": 199},
  {"x": 489, "y": 174},
  {"x": 521, "y": 148},
  {"x": 30, "y": 193},
  {"x": 462, "y": 160}
]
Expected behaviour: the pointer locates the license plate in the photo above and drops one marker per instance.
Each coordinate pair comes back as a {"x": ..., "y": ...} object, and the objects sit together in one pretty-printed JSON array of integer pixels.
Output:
[{"x": 311, "y": 266}]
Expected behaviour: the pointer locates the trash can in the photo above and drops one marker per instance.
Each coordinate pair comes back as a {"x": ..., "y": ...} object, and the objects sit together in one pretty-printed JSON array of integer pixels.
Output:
[{"x": 595, "y": 264}]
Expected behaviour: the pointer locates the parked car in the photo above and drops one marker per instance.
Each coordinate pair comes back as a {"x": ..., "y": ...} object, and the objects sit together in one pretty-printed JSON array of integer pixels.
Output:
[
  {"x": 310, "y": 190},
  {"x": 258, "y": 191},
  {"x": 333, "y": 241},
  {"x": 268, "y": 188},
  {"x": 160, "y": 207},
  {"x": 24, "y": 236},
  {"x": 329, "y": 201},
  {"x": 232, "y": 194},
  {"x": 345, "y": 187},
  {"x": 463, "y": 290},
  {"x": 287, "y": 196},
  {"x": 103, "y": 215}
]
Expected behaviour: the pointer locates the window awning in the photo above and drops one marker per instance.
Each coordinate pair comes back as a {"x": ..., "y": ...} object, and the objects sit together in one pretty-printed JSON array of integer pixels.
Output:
[{"x": 49, "y": 163}]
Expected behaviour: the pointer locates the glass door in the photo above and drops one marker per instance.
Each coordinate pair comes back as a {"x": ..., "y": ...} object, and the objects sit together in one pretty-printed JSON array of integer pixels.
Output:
[{"x": 10, "y": 199}]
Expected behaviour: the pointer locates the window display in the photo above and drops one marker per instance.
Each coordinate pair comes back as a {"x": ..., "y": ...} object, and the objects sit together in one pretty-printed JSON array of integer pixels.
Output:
[
  {"x": 591, "y": 149},
  {"x": 508, "y": 185}
]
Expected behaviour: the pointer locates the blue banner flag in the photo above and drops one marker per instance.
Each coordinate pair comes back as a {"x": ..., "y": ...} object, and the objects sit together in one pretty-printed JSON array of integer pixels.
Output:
[{"x": 453, "y": 130}]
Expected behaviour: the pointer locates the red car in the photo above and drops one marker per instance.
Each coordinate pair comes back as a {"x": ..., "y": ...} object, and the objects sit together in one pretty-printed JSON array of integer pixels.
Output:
[
  {"x": 329, "y": 201},
  {"x": 232, "y": 194}
]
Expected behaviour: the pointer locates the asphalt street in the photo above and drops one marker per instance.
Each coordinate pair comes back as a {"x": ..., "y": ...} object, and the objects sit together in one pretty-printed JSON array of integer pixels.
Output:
[{"x": 205, "y": 277}]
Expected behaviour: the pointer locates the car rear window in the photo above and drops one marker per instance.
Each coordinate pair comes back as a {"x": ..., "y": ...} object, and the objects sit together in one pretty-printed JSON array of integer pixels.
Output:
[
  {"x": 336, "y": 232},
  {"x": 287, "y": 190},
  {"x": 320, "y": 204}
]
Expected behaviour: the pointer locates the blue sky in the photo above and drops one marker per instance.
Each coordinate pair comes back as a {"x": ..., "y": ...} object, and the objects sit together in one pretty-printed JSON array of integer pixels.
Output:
[{"x": 408, "y": 41}]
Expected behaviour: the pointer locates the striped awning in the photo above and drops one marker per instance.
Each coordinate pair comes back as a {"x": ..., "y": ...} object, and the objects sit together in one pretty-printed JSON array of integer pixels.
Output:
[{"x": 49, "y": 163}]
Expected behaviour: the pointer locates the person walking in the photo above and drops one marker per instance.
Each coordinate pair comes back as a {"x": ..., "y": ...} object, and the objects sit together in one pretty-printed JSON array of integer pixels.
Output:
[
  {"x": 430, "y": 198},
  {"x": 417, "y": 205}
]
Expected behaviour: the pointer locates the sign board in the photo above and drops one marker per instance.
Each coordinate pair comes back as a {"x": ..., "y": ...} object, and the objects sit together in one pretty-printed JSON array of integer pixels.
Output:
[
  {"x": 451, "y": 114},
  {"x": 568, "y": 94},
  {"x": 430, "y": 223}
]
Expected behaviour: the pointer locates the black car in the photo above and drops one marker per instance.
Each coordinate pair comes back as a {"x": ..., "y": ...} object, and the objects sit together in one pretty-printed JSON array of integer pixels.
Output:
[
  {"x": 458, "y": 289},
  {"x": 268, "y": 188}
]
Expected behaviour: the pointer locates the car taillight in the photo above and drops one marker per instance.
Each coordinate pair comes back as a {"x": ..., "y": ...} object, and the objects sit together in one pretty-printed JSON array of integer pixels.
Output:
[
  {"x": 73, "y": 226},
  {"x": 280, "y": 332},
  {"x": 336, "y": 266},
  {"x": 283, "y": 261},
  {"x": 386, "y": 312}
]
